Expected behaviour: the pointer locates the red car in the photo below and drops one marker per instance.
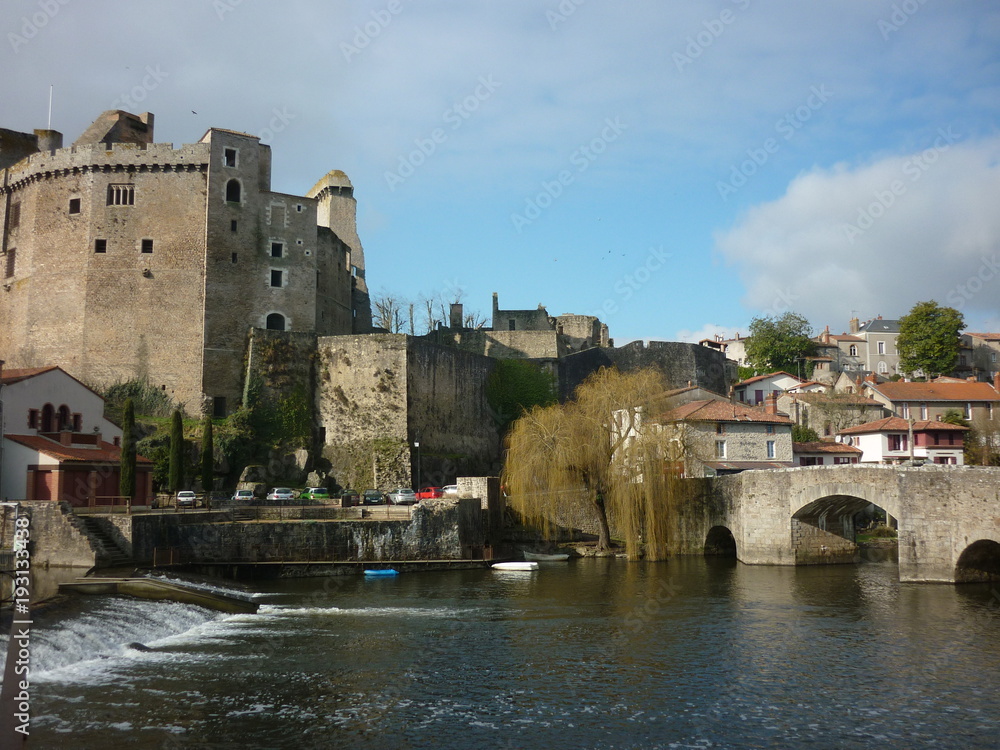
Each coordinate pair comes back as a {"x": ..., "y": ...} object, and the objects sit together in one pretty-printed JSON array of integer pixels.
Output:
[{"x": 430, "y": 493}]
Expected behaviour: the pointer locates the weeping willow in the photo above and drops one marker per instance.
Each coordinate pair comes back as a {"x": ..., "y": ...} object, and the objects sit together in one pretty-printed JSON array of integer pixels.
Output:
[{"x": 601, "y": 454}]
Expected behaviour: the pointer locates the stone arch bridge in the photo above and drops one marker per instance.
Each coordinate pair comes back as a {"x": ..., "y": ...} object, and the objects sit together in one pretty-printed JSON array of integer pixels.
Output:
[{"x": 948, "y": 517}]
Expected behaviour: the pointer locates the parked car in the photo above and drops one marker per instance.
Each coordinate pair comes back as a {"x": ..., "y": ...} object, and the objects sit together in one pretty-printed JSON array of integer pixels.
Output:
[
  {"x": 315, "y": 493},
  {"x": 449, "y": 490},
  {"x": 373, "y": 497},
  {"x": 243, "y": 496},
  {"x": 402, "y": 496},
  {"x": 429, "y": 493},
  {"x": 281, "y": 493},
  {"x": 350, "y": 497},
  {"x": 186, "y": 499}
]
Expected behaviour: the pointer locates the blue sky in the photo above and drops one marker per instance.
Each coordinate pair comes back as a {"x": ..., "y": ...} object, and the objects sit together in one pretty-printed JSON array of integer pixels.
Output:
[{"x": 676, "y": 168}]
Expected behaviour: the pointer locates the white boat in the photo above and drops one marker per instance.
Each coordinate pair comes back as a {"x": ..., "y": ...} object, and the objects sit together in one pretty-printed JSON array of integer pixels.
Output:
[
  {"x": 543, "y": 557},
  {"x": 515, "y": 566}
]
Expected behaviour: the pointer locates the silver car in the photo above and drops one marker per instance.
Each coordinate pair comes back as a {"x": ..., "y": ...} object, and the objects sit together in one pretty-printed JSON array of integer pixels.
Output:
[{"x": 402, "y": 496}]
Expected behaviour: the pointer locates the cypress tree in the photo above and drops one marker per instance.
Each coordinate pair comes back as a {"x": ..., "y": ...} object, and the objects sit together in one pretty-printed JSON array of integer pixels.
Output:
[
  {"x": 207, "y": 455},
  {"x": 126, "y": 478},
  {"x": 176, "y": 475}
]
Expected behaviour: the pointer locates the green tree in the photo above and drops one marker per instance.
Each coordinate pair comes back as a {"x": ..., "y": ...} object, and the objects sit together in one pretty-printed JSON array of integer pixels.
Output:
[
  {"x": 176, "y": 476},
  {"x": 778, "y": 343},
  {"x": 803, "y": 434},
  {"x": 929, "y": 338},
  {"x": 126, "y": 478},
  {"x": 593, "y": 455},
  {"x": 207, "y": 456}
]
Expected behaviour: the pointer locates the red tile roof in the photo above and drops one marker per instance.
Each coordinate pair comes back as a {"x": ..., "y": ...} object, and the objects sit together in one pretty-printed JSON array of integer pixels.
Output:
[
  {"x": 107, "y": 451},
  {"x": 13, "y": 376},
  {"x": 902, "y": 391},
  {"x": 722, "y": 411},
  {"x": 985, "y": 336},
  {"x": 847, "y": 337},
  {"x": 824, "y": 447},
  {"x": 898, "y": 424}
]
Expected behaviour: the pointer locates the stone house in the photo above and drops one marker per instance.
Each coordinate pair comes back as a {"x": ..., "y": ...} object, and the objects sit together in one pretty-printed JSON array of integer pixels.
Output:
[
  {"x": 722, "y": 437},
  {"x": 55, "y": 443},
  {"x": 979, "y": 356},
  {"x": 888, "y": 440},
  {"x": 124, "y": 258},
  {"x": 828, "y": 412},
  {"x": 976, "y": 401}
]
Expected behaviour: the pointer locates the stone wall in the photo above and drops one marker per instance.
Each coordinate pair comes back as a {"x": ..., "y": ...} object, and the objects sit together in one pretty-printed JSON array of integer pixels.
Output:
[{"x": 55, "y": 540}]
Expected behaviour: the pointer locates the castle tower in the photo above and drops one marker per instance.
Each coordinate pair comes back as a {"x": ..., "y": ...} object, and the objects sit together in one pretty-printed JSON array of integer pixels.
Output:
[{"x": 337, "y": 209}]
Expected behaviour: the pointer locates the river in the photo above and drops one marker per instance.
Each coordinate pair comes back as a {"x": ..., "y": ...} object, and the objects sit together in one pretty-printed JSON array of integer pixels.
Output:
[{"x": 690, "y": 653}]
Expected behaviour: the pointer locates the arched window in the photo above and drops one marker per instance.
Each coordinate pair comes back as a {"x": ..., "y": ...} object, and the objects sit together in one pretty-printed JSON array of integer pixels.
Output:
[
  {"x": 276, "y": 322},
  {"x": 883, "y": 368},
  {"x": 853, "y": 351},
  {"x": 48, "y": 412},
  {"x": 233, "y": 191},
  {"x": 65, "y": 418}
]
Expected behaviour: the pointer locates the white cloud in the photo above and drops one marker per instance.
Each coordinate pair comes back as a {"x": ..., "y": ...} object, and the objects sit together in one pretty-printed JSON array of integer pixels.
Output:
[{"x": 877, "y": 238}]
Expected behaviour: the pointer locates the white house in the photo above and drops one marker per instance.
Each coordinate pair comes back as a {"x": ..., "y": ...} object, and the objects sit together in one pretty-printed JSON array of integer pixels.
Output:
[
  {"x": 887, "y": 440},
  {"x": 754, "y": 390}
]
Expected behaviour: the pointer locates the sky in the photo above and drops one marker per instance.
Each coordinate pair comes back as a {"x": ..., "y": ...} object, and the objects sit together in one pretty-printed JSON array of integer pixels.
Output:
[{"x": 675, "y": 168}]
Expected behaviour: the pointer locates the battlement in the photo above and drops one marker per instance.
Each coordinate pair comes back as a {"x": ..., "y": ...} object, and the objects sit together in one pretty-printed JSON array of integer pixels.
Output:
[{"x": 119, "y": 157}]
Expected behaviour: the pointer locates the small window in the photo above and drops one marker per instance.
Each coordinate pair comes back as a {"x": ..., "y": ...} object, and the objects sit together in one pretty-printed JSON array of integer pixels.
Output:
[
  {"x": 234, "y": 257},
  {"x": 100, "y": 246},
  {"x": 853, "y": 350},
  {"x": 881, "y": 347},
  {"x": 277, "y": 249},
  {"x": 15, "y": 215},
  {"x": 298, "y": 207},
  {"x": 121, "y": 195},
  {"x": 230, "y": 157},
  {"x": 11, "y": 262},
  {"x": 275, "y": 322},
  {"x": 720, "y": 448},
  {"x": 770, "y": 449},
  {"x": 77, "y": 423},
  {"x": 147, "y": 246},
  {"x": 968, "y": 405},
  {"x": 720, "y": 429},
  {"x": 33, "y": 419},
  {"x": 923, "y": 411},
  {"x": 74, "y": 205},
  {"x": 233, "y": 191},
  {"x": 298, "y": 242},
  {"x": 276, "y": 277},
  {"x": 769, "y": 429},
  {"x": 219, "y": 407},
  {"x": 233, "y": 225},
  {"x": 511, "y": 324}
]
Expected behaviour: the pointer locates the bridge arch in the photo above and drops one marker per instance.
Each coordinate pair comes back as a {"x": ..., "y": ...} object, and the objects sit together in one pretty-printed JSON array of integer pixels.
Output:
[
  {"x": 720, "y": 542},
  {"x": 980, "y": 561},
  {"x": 824, "y": 523}
]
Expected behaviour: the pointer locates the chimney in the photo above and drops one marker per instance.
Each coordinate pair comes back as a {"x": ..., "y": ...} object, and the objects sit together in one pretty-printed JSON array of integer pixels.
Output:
[
  {"x": 826, "y": 335},
  {"x": 771, "y": 403},
  {"x": 456, "y": 315},
  {"x": 996, "y": 381},
  {"x": 855, "y": 325},
  {"x": 66, "y": 438}
]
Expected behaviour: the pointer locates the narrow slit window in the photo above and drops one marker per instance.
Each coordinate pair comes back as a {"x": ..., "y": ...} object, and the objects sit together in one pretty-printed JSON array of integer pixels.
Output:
[
  {"x": 233, "y": 225},
  {"x": 11, "y": 262},
  {"x": 100, "y": 246},
  {"x": 234, "y": 258},
  {"x": 15, "y": 215}
]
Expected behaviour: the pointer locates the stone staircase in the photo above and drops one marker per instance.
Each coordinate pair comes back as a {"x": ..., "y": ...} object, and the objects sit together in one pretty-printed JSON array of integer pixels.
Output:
[{"x": 106, "y": 549}]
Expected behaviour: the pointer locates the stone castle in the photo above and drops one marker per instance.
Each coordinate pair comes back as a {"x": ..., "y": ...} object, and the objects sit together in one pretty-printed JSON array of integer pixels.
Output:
[{"x": 123, "y": 258}]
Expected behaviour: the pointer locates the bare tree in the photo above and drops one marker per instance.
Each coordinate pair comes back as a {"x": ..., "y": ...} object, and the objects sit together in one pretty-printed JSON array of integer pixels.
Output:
[
  {"x": 387, "y": 312},
  {"x": 594, "y": 455}
]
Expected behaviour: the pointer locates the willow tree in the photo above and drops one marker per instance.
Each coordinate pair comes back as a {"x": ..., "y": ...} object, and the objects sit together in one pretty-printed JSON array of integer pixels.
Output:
[{"x": 598, "y": 454}]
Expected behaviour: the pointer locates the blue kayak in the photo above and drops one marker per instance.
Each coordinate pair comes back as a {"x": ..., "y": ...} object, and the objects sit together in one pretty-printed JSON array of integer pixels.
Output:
[{"x": 388, "y": 572}]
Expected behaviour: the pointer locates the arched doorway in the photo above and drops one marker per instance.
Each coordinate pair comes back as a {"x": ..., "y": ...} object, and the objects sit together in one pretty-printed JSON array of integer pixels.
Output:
[
  {"x": 275, "y": 322},
  {"x": 979, "y": 562},
  {"x": 720, "y": 542}
]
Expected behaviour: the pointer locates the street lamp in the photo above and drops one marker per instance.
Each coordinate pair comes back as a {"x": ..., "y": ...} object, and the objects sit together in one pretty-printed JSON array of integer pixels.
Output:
[{"x": 416, "y": 483}]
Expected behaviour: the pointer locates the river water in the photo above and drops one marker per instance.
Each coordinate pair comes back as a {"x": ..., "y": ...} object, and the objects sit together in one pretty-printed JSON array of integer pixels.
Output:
[{"x": 690, "y": 653}]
